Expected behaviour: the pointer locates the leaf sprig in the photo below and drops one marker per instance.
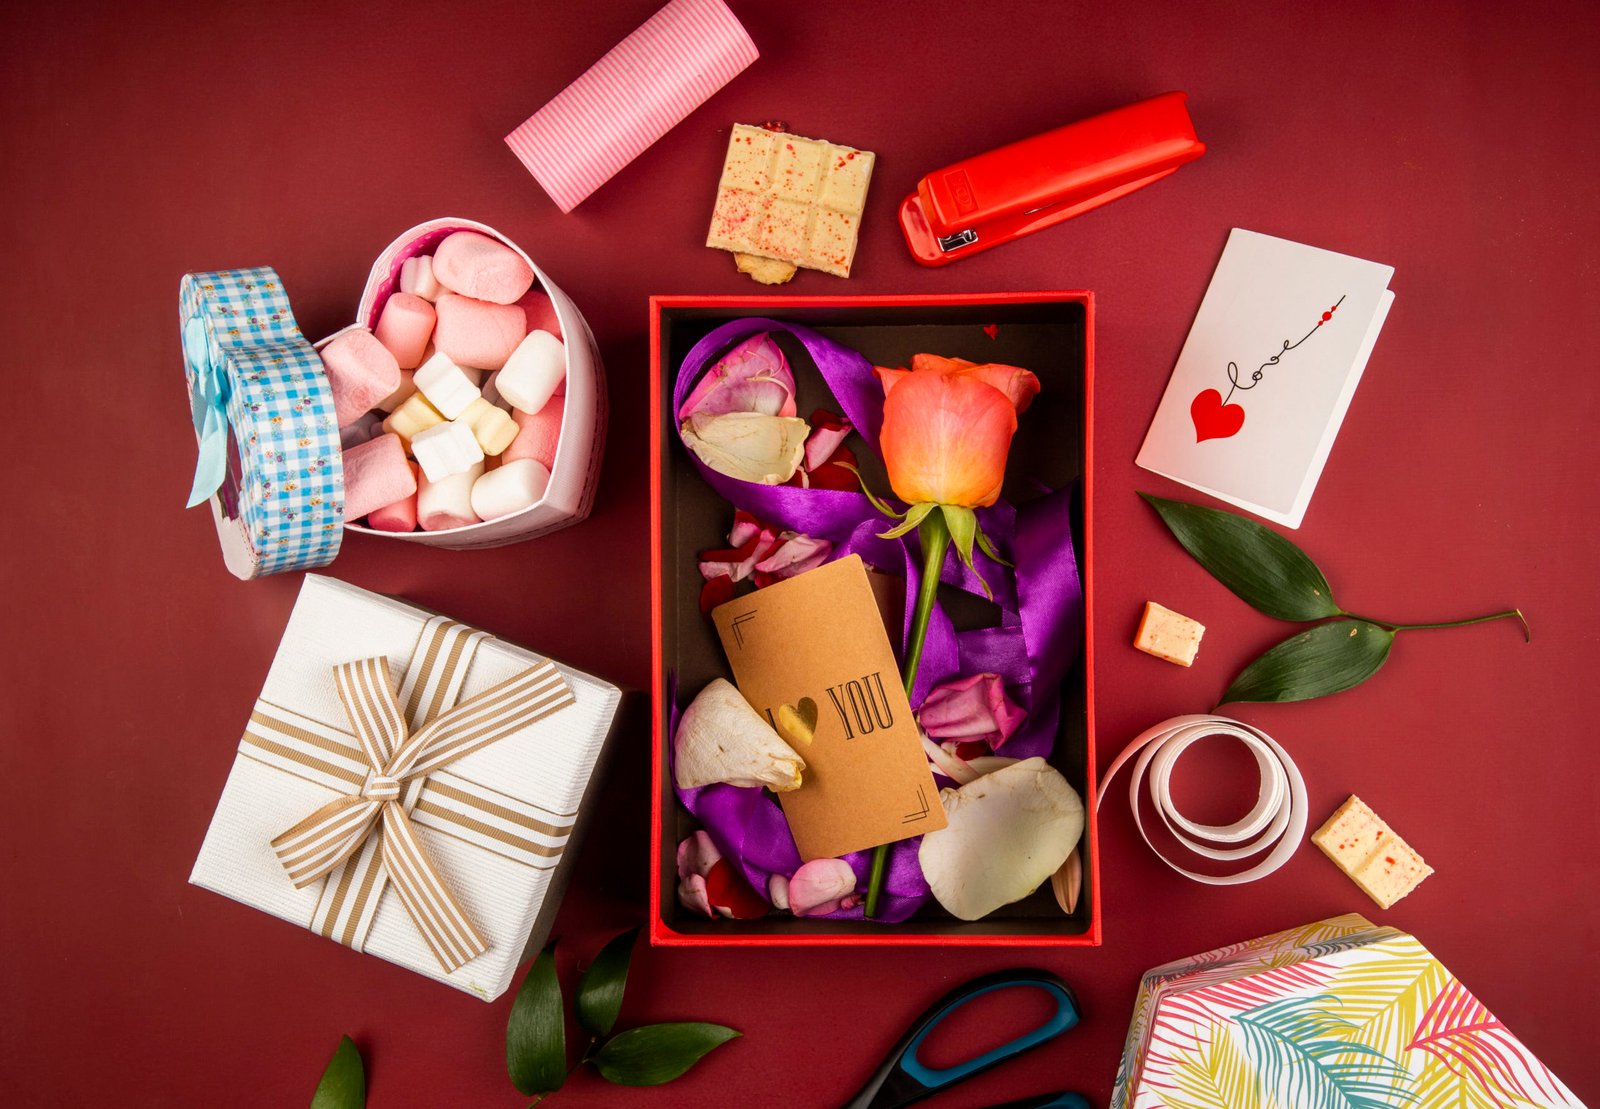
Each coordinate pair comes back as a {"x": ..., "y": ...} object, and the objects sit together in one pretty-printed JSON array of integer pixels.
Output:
[
  {"x": 1274, "y": 576},
  {"x": 652, "y": 1054},
  {"x": 344, "y": 1082}
]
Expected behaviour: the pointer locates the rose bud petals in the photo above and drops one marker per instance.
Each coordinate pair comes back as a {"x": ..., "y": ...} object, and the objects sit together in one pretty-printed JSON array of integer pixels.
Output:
[
  {"x": 828, "y": 433},
  {"x": 819, "y": 886},
  {"x": 972, "y": 709},
  {"x": 749, "y": 446},
  {"x": 731, "y": 896},
  {"x": 752, "y": 377},
  {"x": 692, "y": 895},
  {"x": 890, "y": 378},
  {"x": 945, "y": 439}
]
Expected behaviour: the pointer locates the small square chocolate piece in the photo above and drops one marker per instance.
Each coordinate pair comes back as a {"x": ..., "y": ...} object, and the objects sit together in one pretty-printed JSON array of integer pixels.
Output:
[
  {"x": 1365, "y": 848},
  {"x": 1168, "y": 635}
]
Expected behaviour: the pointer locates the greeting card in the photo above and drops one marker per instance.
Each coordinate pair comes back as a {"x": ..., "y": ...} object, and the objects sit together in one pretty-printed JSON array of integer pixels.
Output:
[
  {"x": 1267, "y": 373},
  {"x": 811, "y": 655}
]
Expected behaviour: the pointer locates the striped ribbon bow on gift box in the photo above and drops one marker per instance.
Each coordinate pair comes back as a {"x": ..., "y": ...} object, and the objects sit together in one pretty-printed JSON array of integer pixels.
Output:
[{"x": 358, "y": 842}]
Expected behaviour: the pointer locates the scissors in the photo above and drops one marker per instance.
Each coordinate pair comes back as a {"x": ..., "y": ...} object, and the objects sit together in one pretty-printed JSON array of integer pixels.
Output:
[{"x": 903, "y": 1078}]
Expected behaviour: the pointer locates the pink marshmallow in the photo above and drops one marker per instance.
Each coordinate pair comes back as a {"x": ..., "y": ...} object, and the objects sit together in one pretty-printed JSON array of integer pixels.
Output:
[
  {"x": 361, "y": 372},
  {"x": 537, "y": 434},
  {"x": 477, "y": 333},
  {"x": 399, "y": 516},
  {"x": 477, "y": 266},
  {"x": 404, "y": 326},
  {"x": 376, "y": 474},
  {"x": 541, "y": 313}
]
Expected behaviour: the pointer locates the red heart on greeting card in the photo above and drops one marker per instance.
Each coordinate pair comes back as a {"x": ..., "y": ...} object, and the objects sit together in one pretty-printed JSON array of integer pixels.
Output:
[{"x": 1213, "y": 419}]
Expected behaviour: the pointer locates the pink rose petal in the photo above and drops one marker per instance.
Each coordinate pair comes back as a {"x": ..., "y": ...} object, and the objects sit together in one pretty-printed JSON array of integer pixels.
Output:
[
  {"x": 752, "y": 377},
  {"x": 692, "y": 895},
  {"x": 820, "y": 886},
  {"x": 828, "y": 431},
  {"x": 971, "y": 709},
  {"x": 794, "y": 554}
]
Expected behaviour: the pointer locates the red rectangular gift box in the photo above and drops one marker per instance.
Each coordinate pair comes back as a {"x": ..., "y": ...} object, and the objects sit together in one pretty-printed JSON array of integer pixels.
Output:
[{"x": 1050, "y": 333}]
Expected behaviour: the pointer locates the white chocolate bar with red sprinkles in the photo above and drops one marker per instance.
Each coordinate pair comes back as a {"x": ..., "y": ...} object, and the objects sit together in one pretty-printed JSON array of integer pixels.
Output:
[
  {"x": 1367, "y": 850},
  {"x": 794, "y": 199}
]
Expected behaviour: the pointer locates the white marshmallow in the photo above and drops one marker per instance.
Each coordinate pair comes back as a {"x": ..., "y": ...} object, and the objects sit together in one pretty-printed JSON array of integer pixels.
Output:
[
  {"x": 416, "y": 277},
  {"x": 447, "y": 503},
  {"x": 533, "y": 372},
  {"x": 447, "y": 386},
  {"x": 445, "y": 449},
  {"x": 509, "y": 488}
]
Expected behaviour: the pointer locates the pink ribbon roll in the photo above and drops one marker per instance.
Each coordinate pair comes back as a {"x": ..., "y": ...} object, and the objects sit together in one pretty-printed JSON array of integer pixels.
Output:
[{"x": 627, "y": 100}]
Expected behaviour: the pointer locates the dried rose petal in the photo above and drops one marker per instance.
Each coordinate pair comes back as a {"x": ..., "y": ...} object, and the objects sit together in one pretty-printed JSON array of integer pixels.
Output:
[
  {"x": 828, "y": 432},
  {"x": 795, "y": 554},
  {"x": 752, "y": 377},
  {"x": 1067, "y": 883},
  {"x": 716, "y": 591},
  {"x": 697, "y": 854},
  {"x": 731, "y": 895},
  {"x": 745, "y": 528},
  {"x": 692, "y": 895},
  {"x": 833, "y": 475},
  {"x": 737, "y": 562},
  {"x": 819, "y": 887}
]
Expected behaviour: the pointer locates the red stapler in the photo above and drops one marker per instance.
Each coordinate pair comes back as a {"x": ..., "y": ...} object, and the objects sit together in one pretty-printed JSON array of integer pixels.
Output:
[{"x": 1016, "y": 190}]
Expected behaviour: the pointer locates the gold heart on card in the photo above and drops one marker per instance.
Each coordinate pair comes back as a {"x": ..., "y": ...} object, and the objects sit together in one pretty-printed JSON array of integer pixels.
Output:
[{"x": 797, "y": 724}]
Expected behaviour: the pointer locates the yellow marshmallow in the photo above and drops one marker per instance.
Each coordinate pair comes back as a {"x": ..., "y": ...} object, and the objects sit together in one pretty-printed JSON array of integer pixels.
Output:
[
  {"x": 492, "y": 426},
  {"x": 413, "y": 415}
]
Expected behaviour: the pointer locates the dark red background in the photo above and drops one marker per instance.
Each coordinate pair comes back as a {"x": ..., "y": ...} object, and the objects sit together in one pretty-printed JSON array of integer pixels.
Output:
[{"x": 141, "y": 141}]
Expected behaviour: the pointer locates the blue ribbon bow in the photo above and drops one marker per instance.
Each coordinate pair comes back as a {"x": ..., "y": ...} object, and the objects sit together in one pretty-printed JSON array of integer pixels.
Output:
[{"x": 210, "y": 411}]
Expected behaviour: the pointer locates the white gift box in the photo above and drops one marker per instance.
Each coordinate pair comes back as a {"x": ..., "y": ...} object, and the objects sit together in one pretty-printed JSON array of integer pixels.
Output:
[{"x": 500, "y": 824}]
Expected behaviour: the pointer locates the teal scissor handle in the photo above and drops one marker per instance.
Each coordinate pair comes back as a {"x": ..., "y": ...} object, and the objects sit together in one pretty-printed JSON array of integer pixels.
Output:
[{"x": 903, "y": 1078}]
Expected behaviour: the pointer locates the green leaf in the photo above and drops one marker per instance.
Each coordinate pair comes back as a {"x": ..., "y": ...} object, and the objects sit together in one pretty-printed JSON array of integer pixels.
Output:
[
  {"x": 1328, "y": 658},
  {"x": 914, "y": 516},
  {"x": 1266, "y": 570},
  {"x": 962, "y": 524},
  {"x": 536, "y": 1033},
  {"x": 657, "y": 1053},
  {"x": 344, "y": 1083},
  {"x": 600, "y": 992}
]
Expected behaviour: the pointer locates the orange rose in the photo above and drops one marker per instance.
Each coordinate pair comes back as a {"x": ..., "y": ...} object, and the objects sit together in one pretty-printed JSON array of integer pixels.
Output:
[{"x": 947, "y": 428}]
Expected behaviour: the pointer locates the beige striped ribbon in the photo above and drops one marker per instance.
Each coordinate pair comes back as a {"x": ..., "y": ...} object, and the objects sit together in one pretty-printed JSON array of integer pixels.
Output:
[{"x": 390, "y": 769}]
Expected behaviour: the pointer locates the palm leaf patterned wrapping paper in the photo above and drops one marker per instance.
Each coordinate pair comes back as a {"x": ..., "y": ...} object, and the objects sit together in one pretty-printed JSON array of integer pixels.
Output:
[{"x": 1340, "y": 1014}]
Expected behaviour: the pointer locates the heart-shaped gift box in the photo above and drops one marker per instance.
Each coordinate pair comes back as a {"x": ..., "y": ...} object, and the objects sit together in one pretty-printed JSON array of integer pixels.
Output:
[{"x": 262, "y": 403}]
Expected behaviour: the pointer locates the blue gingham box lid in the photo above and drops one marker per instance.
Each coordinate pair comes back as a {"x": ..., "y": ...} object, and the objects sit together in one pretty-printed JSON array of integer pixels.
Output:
[{"x": 263, "y": 411}]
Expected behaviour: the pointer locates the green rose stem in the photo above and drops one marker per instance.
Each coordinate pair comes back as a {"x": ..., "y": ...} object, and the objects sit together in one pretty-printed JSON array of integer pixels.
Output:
[
  {"x": 1517, "y": 612},
  {"x": 935, "y": 537}
]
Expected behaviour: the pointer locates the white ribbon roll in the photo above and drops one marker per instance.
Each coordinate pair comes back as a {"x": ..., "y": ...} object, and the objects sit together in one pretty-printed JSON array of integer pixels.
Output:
[{"x": 1278, "y": 819}]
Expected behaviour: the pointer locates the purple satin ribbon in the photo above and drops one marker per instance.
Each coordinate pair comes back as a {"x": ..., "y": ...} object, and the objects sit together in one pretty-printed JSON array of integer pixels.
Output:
[{"x": 1035, "y": 643}]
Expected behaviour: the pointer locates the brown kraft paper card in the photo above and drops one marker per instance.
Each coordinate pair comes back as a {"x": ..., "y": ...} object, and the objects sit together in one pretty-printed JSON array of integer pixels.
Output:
[{"x": 811, "y": 655}]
